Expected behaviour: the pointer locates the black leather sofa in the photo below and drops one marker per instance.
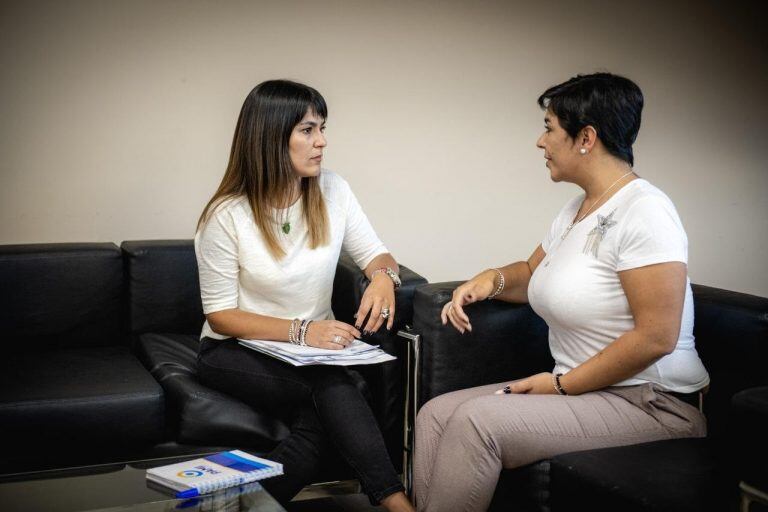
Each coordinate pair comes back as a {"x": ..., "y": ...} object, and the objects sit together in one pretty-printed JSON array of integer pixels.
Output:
[
  {"x": 510, "y": 341},
  {"x": 99, "y": 359}
]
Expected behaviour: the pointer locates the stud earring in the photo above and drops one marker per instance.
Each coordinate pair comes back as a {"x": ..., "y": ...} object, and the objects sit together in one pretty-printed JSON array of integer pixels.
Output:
[{"x": 583, "y": 151}]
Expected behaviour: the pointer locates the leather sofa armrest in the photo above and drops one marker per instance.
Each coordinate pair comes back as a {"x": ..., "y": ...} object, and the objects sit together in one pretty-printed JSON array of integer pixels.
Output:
[
  {"x": 750, "y": 422},
  {"x": 508, "y": 341},
  {"x": 350, "y": 284},
  {"x": 386, "y": 381},
  {"x": 753, "y": 401}
]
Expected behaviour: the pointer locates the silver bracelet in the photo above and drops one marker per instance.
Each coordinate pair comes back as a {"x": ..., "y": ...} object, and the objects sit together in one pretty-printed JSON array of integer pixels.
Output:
[
  {"x": 293, "y": 331},
  {"x": 391, "y": 273},
  {"x": 500, "y": 287},
  {"x": 300, "y": 334},
  {"x": 306, "y": 331},
  {"x": 303, "y": 332}
]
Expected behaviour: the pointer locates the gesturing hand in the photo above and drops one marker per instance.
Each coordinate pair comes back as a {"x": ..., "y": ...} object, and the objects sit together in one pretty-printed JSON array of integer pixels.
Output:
[
  {"x": 378, "y": 298},
  {"x": 476, "y": 289},
  {"x": 330, "y": 334}
]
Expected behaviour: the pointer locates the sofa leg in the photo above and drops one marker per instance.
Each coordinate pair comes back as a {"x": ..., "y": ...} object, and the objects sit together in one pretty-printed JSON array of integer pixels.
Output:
[
  {"x": 750, "y": 494},
  {"x": 411, "y": 404}
]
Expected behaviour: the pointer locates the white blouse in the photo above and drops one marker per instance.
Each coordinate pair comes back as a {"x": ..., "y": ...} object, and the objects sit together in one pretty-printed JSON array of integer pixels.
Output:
[
  {"x": 577, "y": 291},
  {"x": 237, "y": 271}
]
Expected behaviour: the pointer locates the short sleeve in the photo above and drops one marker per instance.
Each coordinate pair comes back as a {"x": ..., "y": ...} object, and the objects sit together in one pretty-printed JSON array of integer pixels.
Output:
[
  {"x": 360, "y": 240},
  {"x": 216, "y": 249},
  {"x": 651, "y": 232}
]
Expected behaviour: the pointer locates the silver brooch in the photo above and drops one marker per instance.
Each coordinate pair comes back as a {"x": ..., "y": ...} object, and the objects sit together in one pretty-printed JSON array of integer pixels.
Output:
[{"x": 597, "y": 234}]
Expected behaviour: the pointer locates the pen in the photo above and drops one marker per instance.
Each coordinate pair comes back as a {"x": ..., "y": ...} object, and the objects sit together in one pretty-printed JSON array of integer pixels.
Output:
[{"x": 189, "y": 493}]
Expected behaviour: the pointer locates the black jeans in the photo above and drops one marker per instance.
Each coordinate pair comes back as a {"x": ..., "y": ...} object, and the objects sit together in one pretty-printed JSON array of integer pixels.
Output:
[{"x": 326, "y": 412}]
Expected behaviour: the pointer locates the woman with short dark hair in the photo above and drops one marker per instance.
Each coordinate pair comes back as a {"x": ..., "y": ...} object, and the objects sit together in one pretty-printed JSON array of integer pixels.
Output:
[
  {"x": 610, "y": 279},
  {"x": 267, "y": 246}
]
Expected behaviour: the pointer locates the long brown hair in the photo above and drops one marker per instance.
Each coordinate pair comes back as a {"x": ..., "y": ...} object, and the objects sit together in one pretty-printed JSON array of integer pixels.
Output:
[{"x": 260, "y": 165}]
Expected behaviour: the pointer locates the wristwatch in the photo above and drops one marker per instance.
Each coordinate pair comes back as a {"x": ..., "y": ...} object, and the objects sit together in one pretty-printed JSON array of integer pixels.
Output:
[{"x": 391, "y": 273}]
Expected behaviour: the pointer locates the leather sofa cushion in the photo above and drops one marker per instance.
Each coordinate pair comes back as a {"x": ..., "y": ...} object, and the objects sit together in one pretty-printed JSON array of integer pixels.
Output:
[
  {"x": 163, "y": 287},
  {"x": 523, "y": 489},
  {"x": 60, "y": 295},
  {"x": 677, "y": 474},
  {"x": 199, "y": 414},
  {"x": 84, "y": 398}
]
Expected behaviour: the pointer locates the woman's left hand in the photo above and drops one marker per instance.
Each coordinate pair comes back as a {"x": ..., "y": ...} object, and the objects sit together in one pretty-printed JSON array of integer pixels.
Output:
[
  {"x": 539, "y": 384},
  {"x": 378, "y": 298}
]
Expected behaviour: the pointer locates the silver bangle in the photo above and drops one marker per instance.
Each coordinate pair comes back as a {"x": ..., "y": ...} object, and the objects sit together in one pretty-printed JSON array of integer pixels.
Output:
[
  {"x": 293, "y": 331},
  {"x": 303, "y": 332},
  {"x": 300, "y": 337},
  {"x": 391, "y": 273},
  {"x": 500, "y": 287}
]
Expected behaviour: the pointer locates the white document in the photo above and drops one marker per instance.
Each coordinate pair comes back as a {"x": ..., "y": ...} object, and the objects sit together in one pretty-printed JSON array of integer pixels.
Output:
[{"x": 358, "y": 352}]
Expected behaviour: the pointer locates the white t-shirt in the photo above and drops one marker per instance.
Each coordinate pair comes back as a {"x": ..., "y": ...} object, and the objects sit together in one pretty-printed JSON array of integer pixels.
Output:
[
  {"x": 237, "y": 271},
  {"x": 576, "y": 287}
]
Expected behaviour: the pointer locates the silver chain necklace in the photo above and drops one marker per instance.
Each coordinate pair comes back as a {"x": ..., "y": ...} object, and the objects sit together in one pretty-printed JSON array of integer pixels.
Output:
[
  {"x": 577, "y": 220},
  {"x": 285, "y": 226}
]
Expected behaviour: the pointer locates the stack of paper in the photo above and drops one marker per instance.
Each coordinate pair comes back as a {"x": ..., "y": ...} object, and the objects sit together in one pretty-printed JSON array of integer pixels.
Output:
[{"x": 357, "y": 352}]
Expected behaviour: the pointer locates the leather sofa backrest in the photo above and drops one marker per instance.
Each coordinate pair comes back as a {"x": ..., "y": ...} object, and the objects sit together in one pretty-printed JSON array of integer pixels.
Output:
[
  {"x": 163, "y": 287},
  {"x": 60, "y": 296},
  {"x": 731, "y": 331},
  {"x": 508, "y": 341}
]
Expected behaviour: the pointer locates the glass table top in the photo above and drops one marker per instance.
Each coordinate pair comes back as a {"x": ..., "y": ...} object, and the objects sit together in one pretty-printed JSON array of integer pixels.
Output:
[{"x": 121, "y": 487}]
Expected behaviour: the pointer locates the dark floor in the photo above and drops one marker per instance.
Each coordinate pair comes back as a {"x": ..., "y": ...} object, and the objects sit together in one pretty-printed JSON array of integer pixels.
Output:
[
  {"x": 347, "y": 503},
  {"x": 335, "y": 497}
]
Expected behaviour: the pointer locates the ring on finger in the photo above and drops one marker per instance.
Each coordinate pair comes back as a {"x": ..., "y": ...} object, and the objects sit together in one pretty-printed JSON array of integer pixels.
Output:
[
  {"x": 385, "y": 313},
  {"x": 338, "y": 339}
]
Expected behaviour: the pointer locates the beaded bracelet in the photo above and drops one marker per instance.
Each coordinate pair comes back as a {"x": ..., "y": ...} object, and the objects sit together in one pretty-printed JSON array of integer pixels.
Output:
[
  {"x": 500, "y": 287},
  {"x": 557, "y": 385},
  {"x": 306, "y": 331},
  {"x": 300, "y": 333},
  {"x": 297, "y": 332},
  {"x": 293, "y": 331},
  {"x": 302, "y": 337}
]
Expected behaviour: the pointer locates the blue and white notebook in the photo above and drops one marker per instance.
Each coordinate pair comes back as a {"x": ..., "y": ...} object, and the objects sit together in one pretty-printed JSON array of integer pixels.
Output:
[{"x": 213, "y": 472}]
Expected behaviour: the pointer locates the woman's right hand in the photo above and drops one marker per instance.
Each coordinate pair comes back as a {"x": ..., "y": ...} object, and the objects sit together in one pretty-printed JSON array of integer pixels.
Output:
[
  {"x": 476, "y": 289},
  {"x": 330, "y": 334}
]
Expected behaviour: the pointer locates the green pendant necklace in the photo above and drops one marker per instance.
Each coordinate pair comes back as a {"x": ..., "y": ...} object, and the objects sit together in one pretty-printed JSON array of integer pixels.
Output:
[{"x": 287, "y": 227}]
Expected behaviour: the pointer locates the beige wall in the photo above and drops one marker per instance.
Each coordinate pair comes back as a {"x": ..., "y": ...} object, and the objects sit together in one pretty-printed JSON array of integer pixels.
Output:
[{"x": 116, "y": 117}]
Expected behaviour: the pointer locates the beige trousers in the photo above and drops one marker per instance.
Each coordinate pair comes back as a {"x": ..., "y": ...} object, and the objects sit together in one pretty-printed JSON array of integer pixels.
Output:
[{"x": 465, "y": 438}]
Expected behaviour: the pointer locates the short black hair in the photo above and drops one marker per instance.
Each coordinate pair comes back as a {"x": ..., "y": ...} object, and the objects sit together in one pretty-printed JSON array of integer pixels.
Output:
[{"x": 610, "y": 103}]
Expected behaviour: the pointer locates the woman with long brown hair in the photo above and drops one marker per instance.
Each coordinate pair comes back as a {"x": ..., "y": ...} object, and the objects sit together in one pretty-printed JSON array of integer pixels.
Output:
[{"x": 267, "y": 245}]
